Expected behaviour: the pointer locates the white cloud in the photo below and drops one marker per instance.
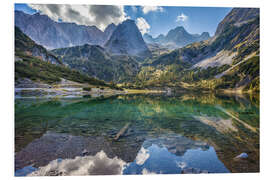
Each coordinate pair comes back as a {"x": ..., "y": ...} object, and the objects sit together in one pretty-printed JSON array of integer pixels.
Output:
[
  {"x": 181, "y": 17},
  {"x": 142, "y": 24},
  {"x": 100, "y": 164},
  {"x": 98, "y": 15},
  {"x": 147, "y": 9}
]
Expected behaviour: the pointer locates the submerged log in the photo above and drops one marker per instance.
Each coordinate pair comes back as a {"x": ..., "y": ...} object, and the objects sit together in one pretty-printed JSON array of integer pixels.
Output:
[{"x": 122, "y": 131}]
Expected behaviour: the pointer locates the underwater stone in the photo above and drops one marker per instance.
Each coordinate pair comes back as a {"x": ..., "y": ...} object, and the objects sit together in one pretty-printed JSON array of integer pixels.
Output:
[{"x": 242, "y": 156}]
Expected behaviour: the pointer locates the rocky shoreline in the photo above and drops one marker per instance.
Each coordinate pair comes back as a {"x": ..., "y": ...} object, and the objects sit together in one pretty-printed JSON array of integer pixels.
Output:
[{"x": 26, "y": 88}]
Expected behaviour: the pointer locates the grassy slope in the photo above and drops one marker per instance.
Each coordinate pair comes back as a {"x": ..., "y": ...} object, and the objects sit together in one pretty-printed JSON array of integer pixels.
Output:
[
  {"x": 95, "y": 61},
  {"x": 38, "y": 70},
  {"x": 25, "y": 44},
  {"x": 244, "y": 77}
]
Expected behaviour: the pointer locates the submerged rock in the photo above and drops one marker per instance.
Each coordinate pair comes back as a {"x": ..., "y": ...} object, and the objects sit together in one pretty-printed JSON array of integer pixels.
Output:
[
  {"x": 242, "y": 156},
  {"x": 84, "y": 152}
]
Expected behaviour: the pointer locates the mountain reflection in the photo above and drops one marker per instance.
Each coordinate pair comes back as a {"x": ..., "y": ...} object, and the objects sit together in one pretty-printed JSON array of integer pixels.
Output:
[{"x": 164, "y": 133}]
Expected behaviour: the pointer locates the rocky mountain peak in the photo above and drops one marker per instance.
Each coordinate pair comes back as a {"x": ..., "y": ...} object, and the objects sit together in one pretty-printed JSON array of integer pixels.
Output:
[
  {"x": 177, "y": 37},
  {"x": 52, "y": 34},
  {"x": 237, "y": 17},
  {"x": 127, "y": 39},
  {"x": 108, "y": 31}
]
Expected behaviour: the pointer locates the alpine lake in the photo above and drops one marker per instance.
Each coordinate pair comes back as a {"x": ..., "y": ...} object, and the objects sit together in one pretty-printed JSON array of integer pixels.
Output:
[{"x": 137, "y": 134}]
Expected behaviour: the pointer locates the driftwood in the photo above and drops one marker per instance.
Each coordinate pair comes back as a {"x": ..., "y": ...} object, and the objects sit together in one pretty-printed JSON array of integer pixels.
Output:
[{"x": 122, "y": 131}]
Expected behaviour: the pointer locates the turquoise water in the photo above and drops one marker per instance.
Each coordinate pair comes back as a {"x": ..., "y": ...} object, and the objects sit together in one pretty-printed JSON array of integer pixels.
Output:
[{"x": 191, "y": 133}]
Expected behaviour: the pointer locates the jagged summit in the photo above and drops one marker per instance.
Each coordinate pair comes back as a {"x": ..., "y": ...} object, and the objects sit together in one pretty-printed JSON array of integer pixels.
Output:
[
  {"x": 177, "y": 37},
  {"x": 52, "y": 34},
  {"x": 108, "y": 31},
  {"x": 237, "y": 16},
  {"x": 127, "y": 39}
]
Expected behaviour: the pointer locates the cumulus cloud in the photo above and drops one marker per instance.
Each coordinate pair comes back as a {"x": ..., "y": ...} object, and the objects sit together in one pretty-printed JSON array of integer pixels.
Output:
[
  {"x": 99, "y": 164},
  {"x": 98, "y": 15},
  {"x": 142, "y": 24},
  {"x": 181, "y": 17},
  {"x": 147, "y": 9}
]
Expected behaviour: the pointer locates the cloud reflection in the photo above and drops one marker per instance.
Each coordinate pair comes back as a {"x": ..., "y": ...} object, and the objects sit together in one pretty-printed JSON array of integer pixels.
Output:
[
  {"x": 99, "y": 164},
  {"x": 142, "y": 156}
]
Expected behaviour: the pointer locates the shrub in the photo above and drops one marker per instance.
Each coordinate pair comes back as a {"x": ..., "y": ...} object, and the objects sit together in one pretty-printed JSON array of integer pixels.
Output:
[{"x": 87, "y": 89}]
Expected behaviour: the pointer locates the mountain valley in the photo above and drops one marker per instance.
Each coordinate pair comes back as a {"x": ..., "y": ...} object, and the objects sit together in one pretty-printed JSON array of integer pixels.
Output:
[{"x": 125, "y": 57}]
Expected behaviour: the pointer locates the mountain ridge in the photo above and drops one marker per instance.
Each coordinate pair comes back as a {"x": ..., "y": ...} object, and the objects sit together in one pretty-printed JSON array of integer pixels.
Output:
[
  {"x": 125, "y": 57},
  {"x": 23, "y": 44},
  {"x": 95, "y": 61},
  {"x": 199, "y": 64},
  {"x": 34, "y": 66},
  {"x": 52, "y": 34},
  {"x": 178, "y": 37}
]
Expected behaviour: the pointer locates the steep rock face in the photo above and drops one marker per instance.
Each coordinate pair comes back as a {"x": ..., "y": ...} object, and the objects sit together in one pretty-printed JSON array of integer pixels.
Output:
[
  {"x": 108, "y": 31},
  {"x": 51, "y": 34},
  {"x": 95, "y": 61},
  {"x": 177, "y": 37},
  {"x": 237, "y": 17},
  {"x": 148, "y": 38},
  {"x": 23, "y": 44},
  {"x": 127, "y": 39}
]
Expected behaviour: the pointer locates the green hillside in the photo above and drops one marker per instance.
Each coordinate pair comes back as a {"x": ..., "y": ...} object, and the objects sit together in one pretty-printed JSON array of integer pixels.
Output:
[
  {"x": 97, "y": 62},
  {"x": 36, "y": 68}
]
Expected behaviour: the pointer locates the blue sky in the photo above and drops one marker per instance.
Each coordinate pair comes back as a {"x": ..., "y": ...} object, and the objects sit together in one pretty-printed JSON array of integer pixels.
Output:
[
  {"x": 199, "y": 19},
  {"x": 153, "y": 20}
]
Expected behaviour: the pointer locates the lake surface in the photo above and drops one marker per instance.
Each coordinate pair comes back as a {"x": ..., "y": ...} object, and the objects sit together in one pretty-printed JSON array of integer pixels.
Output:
[{"x": 190, "y": 133}]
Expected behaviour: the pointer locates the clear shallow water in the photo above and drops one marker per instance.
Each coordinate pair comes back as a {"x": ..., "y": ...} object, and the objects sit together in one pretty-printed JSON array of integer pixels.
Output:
[{"x": 166, "y": 134}]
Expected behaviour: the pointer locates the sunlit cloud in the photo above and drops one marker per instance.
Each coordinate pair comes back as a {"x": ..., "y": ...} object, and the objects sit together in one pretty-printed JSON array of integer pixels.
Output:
[
  {"x": 147, "y": 9},
  {"x": 181, "y": 17},
  {"x": 143, "y": 26},
  {"x": 97, "y": 15}
]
